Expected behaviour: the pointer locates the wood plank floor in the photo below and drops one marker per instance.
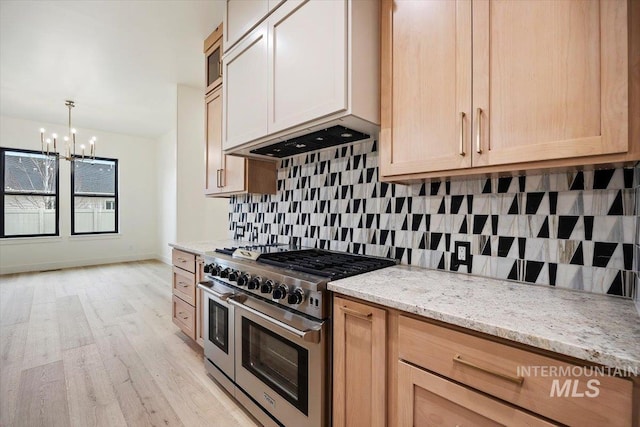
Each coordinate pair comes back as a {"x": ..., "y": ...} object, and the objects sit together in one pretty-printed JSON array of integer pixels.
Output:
[{"x": 95, "y": 346}]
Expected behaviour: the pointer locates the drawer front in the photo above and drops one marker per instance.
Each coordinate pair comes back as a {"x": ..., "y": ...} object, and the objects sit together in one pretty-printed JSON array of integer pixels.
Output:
[
  {"x": 184, "y": 260},
  {"x": 184, "y": 317},
  {"x": 555, "y": 389},
  {"x": 184, "y": 285},
  {"x": 425, "y": 399}
]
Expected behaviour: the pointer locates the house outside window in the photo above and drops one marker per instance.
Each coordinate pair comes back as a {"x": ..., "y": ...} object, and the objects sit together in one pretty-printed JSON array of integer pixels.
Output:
[
  {"x": 94, "y": 198},
  {"x": 29, "y": 202}
]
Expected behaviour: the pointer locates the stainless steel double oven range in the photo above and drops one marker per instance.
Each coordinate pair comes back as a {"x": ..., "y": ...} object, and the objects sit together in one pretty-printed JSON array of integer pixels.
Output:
[{"x": 267, "y": 327}]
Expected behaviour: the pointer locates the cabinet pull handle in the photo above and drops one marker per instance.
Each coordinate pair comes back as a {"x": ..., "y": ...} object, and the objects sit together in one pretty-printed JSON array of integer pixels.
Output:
[
  {"x": 220, "y": 68},
  {"x": 218, "y": 178},
  {"x": 182, "y": 259},
  {"x": 479, "y": 131},
  {"x": 355, "y": 313},
  {"x": 222, "y": 183},
  {"x": 462, "y": 115},
  {"x": 514, "y": 379},
  {"x": 184, "y": 285}
]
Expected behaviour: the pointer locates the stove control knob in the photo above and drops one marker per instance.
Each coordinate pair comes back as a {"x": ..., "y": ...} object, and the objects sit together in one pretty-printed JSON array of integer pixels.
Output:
[
  {"x": 216, "y": 270},
  {"x": 280, "y": 292},
  {"x": 296, "y": 297},
  {"x": 244, "y": 280},
  {"x": 233, "y": 276},
  {"x": 267, "y": 287},
  {"x": 255, "y": 283},
  {"x": 208, "y": 268},
  {"x": 225, "y": 273}
]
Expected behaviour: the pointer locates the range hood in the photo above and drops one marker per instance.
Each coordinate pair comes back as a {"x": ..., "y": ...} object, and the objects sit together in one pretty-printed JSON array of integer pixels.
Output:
[{"x": 286, "y": 92}]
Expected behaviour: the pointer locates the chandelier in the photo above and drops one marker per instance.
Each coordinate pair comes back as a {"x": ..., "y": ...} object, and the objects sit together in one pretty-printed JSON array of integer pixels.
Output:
[{"x": 69, "y": 142}]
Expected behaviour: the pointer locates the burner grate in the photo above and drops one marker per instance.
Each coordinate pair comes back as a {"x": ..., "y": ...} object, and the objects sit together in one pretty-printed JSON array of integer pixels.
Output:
[{"x": 332, "y": 265}]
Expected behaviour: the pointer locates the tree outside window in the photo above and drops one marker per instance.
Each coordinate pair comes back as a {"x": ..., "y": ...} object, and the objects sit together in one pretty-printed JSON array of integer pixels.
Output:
[{"x": 29, "y": 193}]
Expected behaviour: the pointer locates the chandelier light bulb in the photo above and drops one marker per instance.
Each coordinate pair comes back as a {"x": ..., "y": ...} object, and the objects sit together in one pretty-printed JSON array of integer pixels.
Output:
[
  {"x": 73, "y": 130},
  {"x": 42, "y": 130}
]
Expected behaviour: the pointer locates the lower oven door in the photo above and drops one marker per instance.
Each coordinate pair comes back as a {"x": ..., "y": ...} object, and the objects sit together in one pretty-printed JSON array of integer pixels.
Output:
[
  {"x": 281, "y": 362},
  {"x": 218, "y": 332}
]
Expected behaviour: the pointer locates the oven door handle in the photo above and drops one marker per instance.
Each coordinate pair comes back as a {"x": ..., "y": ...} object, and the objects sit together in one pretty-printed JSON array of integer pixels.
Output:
[
  {"x": 222, "y": 297},
  {"x": 308, "y": 335}
]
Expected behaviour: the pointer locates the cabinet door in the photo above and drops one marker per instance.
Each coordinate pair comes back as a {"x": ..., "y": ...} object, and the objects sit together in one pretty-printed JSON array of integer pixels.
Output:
[
  {"x": 213, "y": 147},
  {"x": 359, "y": 360},
  {"x": 307, "y": 61},
  {"x": 550, "y": 79},
  {"x": 224, "y": 174},
  {"x": 426, "y": 86},
  {"x": 240, "y": 17},
  {"x": 425, "y": 399},
  {"x": 244, "y": 86}
]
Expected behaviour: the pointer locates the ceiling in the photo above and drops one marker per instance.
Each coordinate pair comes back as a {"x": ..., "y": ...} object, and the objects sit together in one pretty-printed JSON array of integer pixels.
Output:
[{"x": 120, "y": 61}]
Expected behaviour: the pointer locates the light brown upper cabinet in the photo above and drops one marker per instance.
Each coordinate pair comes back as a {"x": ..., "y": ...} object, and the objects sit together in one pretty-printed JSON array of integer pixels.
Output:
[
  {"x": 474, "y": 86},
  {"x": 227, "y": 175},
  {"x": 213, "y": 59}
]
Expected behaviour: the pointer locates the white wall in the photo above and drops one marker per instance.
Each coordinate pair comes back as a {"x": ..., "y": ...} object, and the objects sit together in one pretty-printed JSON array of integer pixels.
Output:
[
  {"x": 137, "y": 237},
  {"x": 199, "y": 217},
  {"x": 166, "y": 178}
]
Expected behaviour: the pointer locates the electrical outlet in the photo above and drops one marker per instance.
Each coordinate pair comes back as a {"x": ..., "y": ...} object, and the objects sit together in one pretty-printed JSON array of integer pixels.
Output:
[{"x": 462, "y": 255}]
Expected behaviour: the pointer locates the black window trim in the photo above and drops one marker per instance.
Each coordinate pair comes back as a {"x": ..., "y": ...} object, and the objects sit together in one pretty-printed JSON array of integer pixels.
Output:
[
  {"x": 73, "y": 199},
  {"x": 56, "y": 194}
]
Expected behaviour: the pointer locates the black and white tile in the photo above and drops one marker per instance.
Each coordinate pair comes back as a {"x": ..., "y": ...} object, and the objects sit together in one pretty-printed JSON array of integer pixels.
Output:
[{"x": 577, "y": 230}]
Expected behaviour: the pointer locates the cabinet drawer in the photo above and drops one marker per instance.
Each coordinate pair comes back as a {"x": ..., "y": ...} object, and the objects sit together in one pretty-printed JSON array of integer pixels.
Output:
[
  {"x": 555, "y": 389},
  {"x": 184, "y": 285},
  {"x": 184, "y": 317},
  {"x": 426, "y": 399},
  {"x": 184, "y": 260}
]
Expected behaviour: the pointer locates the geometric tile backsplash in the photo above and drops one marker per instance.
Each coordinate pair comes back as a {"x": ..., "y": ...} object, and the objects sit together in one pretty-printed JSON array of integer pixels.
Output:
[{"x": 576, "y": 229}]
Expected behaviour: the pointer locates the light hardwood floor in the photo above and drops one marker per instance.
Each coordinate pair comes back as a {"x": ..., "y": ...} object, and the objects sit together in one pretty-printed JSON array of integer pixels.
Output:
[{"x": 95, "y": 346}]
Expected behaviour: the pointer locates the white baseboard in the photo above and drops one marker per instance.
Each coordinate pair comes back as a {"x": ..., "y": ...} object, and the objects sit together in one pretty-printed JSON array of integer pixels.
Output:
[
  {"x": 24, "y": 268},
  {"x": 164, "y": 259}
]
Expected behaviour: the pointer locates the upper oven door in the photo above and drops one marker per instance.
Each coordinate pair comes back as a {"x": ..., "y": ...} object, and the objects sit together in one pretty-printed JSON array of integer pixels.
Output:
[
  {"x": 281, "y": 361},
  {"x": 218, "y": 322}
]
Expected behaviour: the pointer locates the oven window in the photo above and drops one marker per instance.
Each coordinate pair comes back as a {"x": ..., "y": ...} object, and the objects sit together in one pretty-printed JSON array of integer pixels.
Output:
[
  {"x": 276, "y": 361},
  {"x": 218, "y": 327}
]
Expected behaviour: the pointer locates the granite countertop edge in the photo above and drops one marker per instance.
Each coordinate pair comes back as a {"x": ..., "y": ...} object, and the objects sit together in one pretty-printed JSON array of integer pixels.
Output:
[
  {"x": 205, "y": 247},
  {"x": 615, "y": 358}
]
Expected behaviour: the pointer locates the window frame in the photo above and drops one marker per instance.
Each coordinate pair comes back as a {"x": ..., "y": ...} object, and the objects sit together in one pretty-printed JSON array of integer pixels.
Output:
[
  {"x": 4, "y": 193},
  {"x": 73, "y": 198}
]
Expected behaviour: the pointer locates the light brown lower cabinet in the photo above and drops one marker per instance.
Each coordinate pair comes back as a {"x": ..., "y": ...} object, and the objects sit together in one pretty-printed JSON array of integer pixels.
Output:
[
  {"x": 397, "y": 369},
  {"x": 186, "y": 310},
  {"x": 432, "y": 401},
  {"x": 359, "y": 360}
]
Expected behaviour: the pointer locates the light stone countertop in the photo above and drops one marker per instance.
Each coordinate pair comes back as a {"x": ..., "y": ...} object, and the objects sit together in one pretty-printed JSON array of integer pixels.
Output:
[
  {"x": 206, "y": 246},
  {"x": 596, "y": 328}
]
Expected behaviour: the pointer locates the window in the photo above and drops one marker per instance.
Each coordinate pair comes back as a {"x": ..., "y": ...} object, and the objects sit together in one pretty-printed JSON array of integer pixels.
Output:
[
  {"x": 29, "y": 193},
  {"x": 94, "y": 199}
]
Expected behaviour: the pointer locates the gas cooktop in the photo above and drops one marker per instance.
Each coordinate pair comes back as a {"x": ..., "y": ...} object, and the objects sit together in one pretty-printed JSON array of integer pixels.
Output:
[
  {"x": 319, "y": 262},
  {"x": 333, "y": 265}
]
